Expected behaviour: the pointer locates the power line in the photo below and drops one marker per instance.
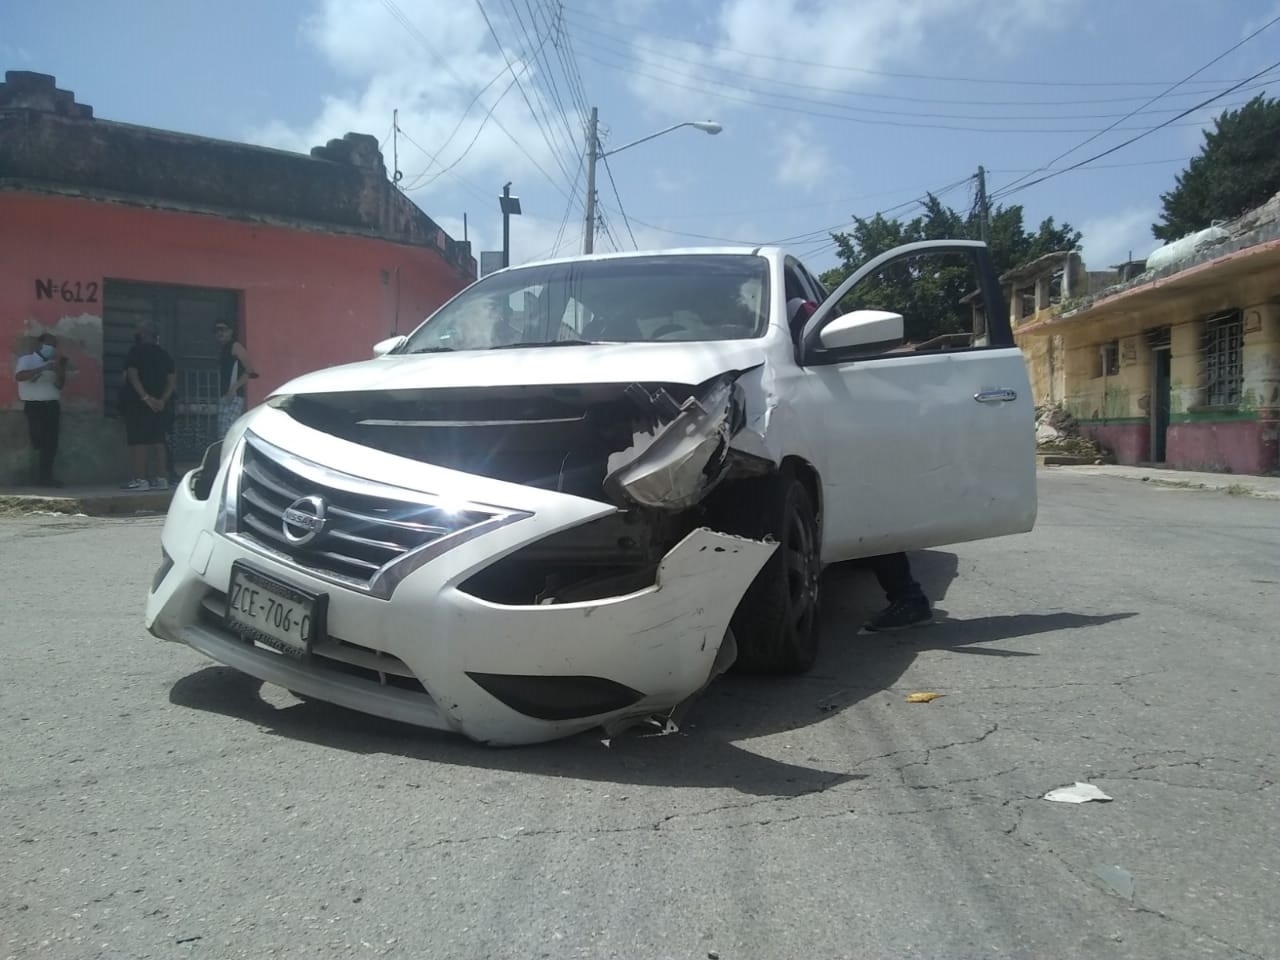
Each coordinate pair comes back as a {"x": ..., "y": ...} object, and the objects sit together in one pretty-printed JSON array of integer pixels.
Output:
[
  {"x": 466, "y": 150},
  {"x": 623, "y": 48},
  {"x": 570, "y": 61},
  {"x": 812, "y": 234},
  {"x": 1113, "y": 166},
  {"x": 607, "y": 229},
  {"x": 474, "y": 188},
  {"x": 752, "y": 211},
  {"x": 568, "y": 210},
  {"x": 417, "y": 34},
  {"x": 736, "y": 241},
  {"x": 549, "y": 84},
  {"x": 461, "y": 120},
  {"x": 811, "y": 65},
  {"x": 537, "y": 121},
  {"x": 1188, "y": 77},
  {"x": 618, "y": 197},
  {"x": 758, "y": 102},
  {"x": 1007, "y": 191}
]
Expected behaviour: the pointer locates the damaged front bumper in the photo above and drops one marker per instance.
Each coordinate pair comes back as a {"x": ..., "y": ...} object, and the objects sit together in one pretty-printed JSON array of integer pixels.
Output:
[{"x": 430, "y": 653}]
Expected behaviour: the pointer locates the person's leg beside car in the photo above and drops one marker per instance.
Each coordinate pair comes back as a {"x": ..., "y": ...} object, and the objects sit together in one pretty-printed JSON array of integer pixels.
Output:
[{"x": 908, "y": 605}]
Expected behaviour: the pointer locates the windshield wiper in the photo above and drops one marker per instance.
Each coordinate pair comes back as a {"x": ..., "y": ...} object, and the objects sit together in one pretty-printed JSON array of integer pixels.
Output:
[
  {"x": 546, "y": 343},
  {"x": 433, "y": 350}
]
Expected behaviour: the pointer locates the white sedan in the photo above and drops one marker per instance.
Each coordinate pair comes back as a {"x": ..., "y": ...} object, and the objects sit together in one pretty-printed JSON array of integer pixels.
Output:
[{"x": 583, "y": 488}]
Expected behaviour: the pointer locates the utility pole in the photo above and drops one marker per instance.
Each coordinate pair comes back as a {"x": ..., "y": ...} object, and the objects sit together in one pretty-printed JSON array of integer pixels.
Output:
[
  {"x": 593, "y": 148},
  {"x": 984, "y": 210},
  {"x": 510, "y": 205}
]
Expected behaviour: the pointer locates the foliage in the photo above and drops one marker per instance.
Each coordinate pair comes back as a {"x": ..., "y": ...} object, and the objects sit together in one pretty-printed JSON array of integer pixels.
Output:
[
  {"x": 927, "y": 290},
  {"x": 1237, "y": 169}
]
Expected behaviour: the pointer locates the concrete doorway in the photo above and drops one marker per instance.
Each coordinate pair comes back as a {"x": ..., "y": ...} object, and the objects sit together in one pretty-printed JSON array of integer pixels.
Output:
[{"x": 1161, "y": 398}]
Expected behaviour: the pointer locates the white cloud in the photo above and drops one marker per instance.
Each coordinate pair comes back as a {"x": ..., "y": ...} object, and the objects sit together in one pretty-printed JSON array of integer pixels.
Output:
[
  {"x": 802, "y": 160},
  {"x": 1109, "y": 240},
  {"x": 1250, "y": 26},
  {"x": 14, "y": 54},
  {"x": 769, "y": 40},
  {"x": 430, "y": 68}
]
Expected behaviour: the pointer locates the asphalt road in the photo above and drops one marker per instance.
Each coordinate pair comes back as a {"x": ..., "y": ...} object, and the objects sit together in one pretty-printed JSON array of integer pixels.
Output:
[{"x": 153, "y": 804}]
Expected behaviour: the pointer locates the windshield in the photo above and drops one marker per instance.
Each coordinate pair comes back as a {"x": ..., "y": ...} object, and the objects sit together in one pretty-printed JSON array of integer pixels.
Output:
[{"x": 629, "y": 300}]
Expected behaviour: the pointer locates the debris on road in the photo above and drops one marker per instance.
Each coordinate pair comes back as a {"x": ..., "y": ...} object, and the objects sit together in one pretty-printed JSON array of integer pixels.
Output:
[
  {"x": 1058, "y": 434},
  {"x": 1118, "y": 879},
  {"x": 924, "y": 697},
  {"x": 1078, "y": 793}
]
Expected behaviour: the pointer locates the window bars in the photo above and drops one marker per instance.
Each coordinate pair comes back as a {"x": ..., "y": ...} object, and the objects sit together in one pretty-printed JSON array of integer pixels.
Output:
[{"x": 1222, "y": 344}]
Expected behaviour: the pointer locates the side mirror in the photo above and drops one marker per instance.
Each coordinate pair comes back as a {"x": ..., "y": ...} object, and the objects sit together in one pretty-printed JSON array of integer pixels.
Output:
[
  {"x": 862, "y": 328},
  {"x": 383, "y": 347}
]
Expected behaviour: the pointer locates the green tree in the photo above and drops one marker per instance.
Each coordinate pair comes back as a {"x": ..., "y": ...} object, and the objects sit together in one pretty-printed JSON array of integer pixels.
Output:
[
  {"x": 1237, "y": 169},
  {"x": 927, "y": 290}
]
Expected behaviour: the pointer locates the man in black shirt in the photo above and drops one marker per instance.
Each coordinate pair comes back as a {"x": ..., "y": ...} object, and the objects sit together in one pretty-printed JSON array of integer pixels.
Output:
[{"x": 150, "y": 383}]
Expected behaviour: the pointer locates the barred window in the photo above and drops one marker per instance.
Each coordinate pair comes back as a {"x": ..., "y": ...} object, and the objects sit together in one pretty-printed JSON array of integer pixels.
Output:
[
  {"x": 1108, "y": 362},
  {"x": 1222, "y": 344}
]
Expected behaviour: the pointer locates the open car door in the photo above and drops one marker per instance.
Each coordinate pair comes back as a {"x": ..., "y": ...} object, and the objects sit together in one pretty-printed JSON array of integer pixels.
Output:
[{"x": 929, "y": 445}]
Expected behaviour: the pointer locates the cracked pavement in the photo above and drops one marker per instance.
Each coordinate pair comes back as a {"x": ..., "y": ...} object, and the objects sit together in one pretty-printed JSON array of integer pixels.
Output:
[{"x": 155, "y": 804}]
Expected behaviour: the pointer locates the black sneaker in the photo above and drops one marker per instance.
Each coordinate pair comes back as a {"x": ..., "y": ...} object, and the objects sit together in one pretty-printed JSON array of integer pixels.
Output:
[{"x": 901, "y": 615}]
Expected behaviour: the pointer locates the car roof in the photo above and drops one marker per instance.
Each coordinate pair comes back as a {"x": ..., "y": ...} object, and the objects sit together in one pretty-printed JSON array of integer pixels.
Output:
[{"x": 768, "y": 252}]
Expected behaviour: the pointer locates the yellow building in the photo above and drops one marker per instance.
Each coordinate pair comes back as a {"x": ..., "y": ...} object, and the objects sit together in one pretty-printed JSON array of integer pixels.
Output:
[{"x": 1179, "y": 364}]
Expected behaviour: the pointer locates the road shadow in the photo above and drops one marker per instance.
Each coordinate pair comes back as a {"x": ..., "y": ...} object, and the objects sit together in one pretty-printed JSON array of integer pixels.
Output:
[{"x": 704, "y": 753}]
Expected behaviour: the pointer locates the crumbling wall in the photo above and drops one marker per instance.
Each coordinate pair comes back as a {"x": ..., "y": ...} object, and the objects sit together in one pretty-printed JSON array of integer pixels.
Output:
[
  {"x": 49, "y": 140},
  {"x": 1059, "y": 433}
]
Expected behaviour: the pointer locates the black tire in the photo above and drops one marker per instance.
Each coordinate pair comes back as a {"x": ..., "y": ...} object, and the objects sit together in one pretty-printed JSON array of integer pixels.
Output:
[{"x": 776, "y": 623}]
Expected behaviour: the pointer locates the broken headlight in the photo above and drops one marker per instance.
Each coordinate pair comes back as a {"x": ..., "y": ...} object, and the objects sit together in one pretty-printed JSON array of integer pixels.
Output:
[{"x": 683, "y": 451}]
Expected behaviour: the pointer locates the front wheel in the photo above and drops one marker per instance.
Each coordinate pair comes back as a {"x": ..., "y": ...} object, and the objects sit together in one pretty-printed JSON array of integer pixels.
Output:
[{"x": 776, "y": 623}]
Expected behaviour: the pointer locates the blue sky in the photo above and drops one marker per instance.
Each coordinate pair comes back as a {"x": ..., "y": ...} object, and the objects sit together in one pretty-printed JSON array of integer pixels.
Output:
[{"x": 830, "y": 108}]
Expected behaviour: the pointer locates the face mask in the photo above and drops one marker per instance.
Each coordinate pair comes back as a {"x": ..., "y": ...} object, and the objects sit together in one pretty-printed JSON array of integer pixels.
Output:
[{"x": 46, "y": 351}]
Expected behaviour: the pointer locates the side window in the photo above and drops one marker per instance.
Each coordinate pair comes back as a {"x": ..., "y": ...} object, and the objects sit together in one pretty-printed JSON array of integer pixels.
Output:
[
  {"x": 799, "y": 283},
  {"x": 797, "y": 287},
  {"x": 933, "y": 294},
  {"x": 819, "y": 291},
  {"x": 920, "y": 297}
]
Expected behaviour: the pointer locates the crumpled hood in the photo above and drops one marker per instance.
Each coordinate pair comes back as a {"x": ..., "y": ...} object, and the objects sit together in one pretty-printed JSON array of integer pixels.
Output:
[{"x": 684, "y": 363}]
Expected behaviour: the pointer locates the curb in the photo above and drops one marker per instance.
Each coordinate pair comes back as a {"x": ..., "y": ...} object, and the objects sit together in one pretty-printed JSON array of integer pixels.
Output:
[
  {"x": 92, "y": 505},
  {"x": 1064, "y": 460},
  {"x": 1233, "y": 489}
]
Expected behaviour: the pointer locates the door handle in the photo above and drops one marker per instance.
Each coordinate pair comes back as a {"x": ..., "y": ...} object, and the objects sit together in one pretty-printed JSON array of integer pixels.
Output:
[{"x": 995, "y": 396}]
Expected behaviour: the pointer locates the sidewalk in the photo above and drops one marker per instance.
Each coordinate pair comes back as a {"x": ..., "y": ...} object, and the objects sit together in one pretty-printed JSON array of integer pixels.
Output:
[
  {"x": 97, "y": 501},
  {"x": 1265, "y": 488}
]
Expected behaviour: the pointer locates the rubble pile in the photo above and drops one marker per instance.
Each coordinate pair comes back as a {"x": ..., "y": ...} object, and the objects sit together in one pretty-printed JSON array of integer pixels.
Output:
[{"x": 1058, "y": 433}]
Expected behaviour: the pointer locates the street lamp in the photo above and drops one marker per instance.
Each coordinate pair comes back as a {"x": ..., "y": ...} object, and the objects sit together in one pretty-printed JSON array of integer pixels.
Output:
[{"x": 594, "y": 153}]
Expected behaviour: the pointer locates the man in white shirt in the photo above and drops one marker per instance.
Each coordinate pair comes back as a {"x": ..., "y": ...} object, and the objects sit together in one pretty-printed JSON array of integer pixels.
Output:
[{"x": 41, "y": 375}]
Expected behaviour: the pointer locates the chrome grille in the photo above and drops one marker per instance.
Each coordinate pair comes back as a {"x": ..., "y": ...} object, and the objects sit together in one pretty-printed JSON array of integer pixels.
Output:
[{"x": 370, "y": 530}]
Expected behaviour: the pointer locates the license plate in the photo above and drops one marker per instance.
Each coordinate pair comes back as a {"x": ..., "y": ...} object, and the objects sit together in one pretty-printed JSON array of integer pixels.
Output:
[{"x": 273, "y": 613}]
